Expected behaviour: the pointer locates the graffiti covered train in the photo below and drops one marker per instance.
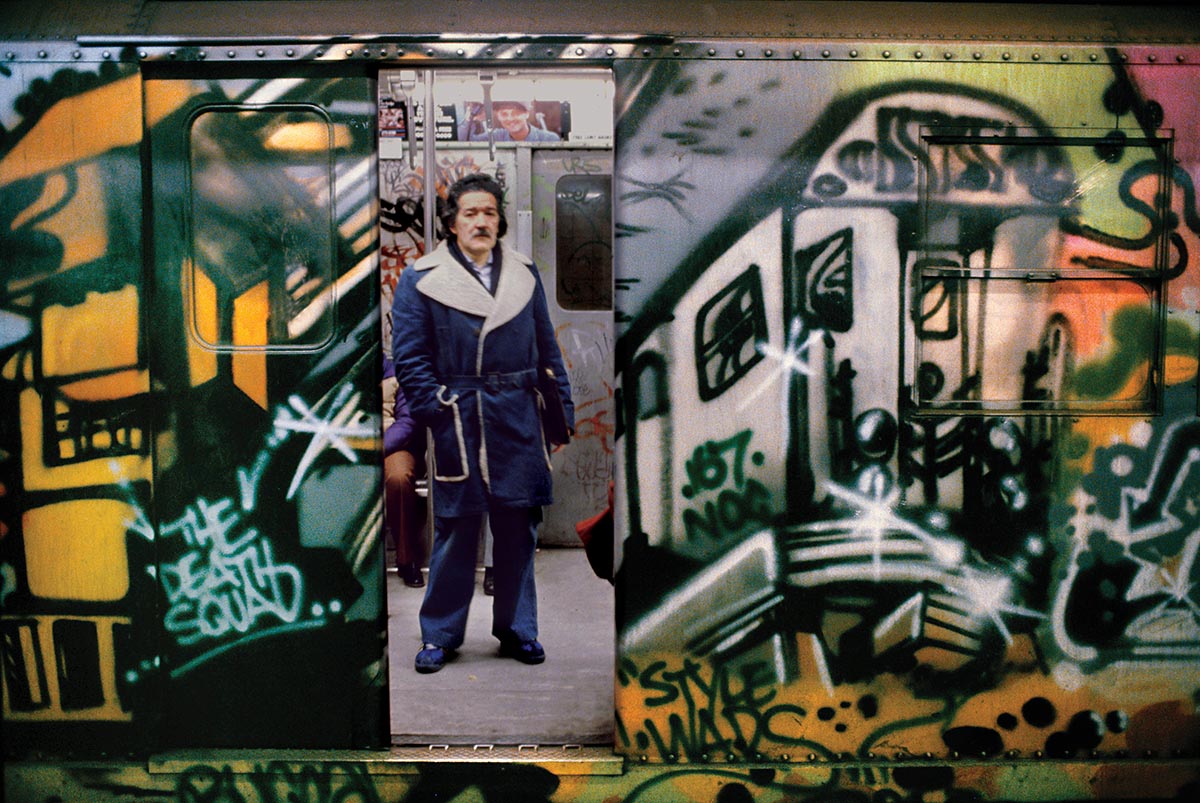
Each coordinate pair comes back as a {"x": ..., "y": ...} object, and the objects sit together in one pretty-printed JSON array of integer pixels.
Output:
[{"x": 895, "y": 384}]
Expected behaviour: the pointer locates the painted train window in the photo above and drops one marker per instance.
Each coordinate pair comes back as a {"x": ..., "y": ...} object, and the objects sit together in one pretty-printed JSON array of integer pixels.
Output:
[
  {"x": 1008, "y": 311},
  {"x": 266, "y": 286},
  {"x": 583, "y": 212},
  {"x": 729, "y": 329}
]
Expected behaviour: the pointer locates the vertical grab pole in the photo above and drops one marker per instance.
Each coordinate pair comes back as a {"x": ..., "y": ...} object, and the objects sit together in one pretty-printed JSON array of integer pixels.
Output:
[
  {"x": 486, "y": 79},
  {"x": 404, "y": 86},
  {"x": 430, "y": 157}
]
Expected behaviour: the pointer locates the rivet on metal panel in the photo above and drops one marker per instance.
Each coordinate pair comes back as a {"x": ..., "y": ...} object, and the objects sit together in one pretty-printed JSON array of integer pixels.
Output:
[
  {"x": 796, "y": 54},
  {"x": 260, "y": 53},
  {"x": 579, "y": 51},
  {"x": 230, "y": 53},
  {"x": 460, "y": 52},
  {"x": 705, "y": 757},
  {"x": 1037, "y": 56},
  {"x": 887, "y": 54},
  {"x": 1006, "y": 56},
  {"x": 1065, "y": 57},
  {"x": 947, "y": 55},
  {"x": 141, "y": 55},
  {"x": 645, "y": 51},
  {"x": 107, "y": 55},
  {"x": 740, "y": 53},
  {"x": 1092, "y": 57},
  {"x": 1152, "y": 58},
  {"x": 76, "y": 54},
  {"x": 785, "y": 757},
  {"x": 290, "y": 52},
  {"x": 977, "y": 55},
  {"x": 320, "y": 52},
  {"x": 853, "y": 54},
  {"x": 676, "y": 51},
  {"x": 429, "y": 52},
  {"x": 400, "y": 52},
  {"x": 42, "y": 54},
  {"x": 919, "y": 54},
  {"x": 768, "y": 52},
  {"x": 608, "y": 51},
  {"x": 825, "y": 54},
  {"x": 350, "y": 52},
  {"x": 812, "y": 756},
  {"x": 11, "y": 55},
  {"x": 712, "y": 51},
  {"x": 549, "y": 53},
  {"x": 520, "y": 51},
  {"x": 203, "y": 54}
]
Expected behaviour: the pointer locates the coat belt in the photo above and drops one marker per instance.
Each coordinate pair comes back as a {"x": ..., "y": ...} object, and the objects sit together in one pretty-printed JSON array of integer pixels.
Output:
[{"x": 494, "y": 381}]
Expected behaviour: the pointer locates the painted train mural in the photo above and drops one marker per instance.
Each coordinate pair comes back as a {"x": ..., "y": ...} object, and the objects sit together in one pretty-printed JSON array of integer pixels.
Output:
[{"x": 903, "y": 429}]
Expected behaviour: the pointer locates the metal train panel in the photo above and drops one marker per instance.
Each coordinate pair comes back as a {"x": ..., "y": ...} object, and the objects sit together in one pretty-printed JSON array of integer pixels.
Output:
[
  {"x": 900, "y": 405},
  {"x": 908, "y": 378}
]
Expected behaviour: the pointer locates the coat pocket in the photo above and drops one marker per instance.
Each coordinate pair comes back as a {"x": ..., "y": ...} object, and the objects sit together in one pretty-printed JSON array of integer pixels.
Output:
[{"x": 448, "y": 442}]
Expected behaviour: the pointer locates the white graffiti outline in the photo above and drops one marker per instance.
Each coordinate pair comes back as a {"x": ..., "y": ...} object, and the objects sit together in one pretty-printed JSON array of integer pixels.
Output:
[{"x": 343, "y": 420}]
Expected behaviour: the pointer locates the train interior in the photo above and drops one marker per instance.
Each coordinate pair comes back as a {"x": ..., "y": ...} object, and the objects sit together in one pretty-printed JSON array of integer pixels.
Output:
[{"x": 547, "y": 137}]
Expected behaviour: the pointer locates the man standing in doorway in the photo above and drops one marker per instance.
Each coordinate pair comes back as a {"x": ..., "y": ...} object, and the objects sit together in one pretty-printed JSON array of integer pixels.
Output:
[{"x": 471, "y": 331}]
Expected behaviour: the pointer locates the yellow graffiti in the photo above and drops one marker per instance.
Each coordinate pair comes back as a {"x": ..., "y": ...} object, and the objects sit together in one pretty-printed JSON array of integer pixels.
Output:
[
  {"x": 98, "y": 335},
  {"x": 37, "y": 656},
  {"x": 76, "y": 550},
  {"x": 38, "y": 476},
  {"x": 251, "y": 311},
  {"x": 201, "y": 304}
]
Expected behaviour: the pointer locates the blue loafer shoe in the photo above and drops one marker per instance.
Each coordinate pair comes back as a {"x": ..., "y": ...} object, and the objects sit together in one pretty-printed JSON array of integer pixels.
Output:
[
  {"x": 527, "y": 652},
  {"x": 431, "y": 658}
]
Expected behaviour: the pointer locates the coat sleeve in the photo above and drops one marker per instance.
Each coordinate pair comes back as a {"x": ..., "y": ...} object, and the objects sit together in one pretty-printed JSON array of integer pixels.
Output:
[
  {"x": 413, "y": 350},
  {"x": 549, "y": 355},
  {"x": 400, "y": 424}
]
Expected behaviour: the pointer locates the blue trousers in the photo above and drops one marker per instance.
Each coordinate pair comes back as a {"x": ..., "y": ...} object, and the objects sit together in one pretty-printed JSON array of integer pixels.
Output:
[{"x": 452, "y": 576}]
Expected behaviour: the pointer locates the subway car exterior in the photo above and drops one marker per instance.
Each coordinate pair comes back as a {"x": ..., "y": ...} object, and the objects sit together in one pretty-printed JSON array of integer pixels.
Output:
[{"x": 883, "y": 321}]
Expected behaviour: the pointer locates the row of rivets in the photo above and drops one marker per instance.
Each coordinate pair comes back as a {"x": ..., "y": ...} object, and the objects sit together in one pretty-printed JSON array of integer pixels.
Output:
[
  {"x": 608, "y": 52},
  {"x": 906, "y": 757}
]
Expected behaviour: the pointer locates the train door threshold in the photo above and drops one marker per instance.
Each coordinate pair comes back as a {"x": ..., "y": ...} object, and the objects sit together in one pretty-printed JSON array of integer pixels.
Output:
[{"x": 559, "y": 759}]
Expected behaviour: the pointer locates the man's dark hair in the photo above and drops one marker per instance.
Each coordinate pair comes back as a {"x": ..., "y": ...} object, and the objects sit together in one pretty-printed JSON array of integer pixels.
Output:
[{"x": 475, "y": 182}]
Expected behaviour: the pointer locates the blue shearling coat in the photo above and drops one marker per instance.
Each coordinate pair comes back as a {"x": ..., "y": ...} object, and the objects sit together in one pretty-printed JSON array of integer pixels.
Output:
[{"x": 466, "y": 361}]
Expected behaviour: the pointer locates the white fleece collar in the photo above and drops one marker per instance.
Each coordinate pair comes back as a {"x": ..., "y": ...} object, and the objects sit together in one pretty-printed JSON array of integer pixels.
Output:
[{"x": 448, "y": 282}]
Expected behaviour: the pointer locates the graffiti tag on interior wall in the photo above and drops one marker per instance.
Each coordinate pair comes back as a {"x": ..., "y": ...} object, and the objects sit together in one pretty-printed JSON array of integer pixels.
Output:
[{"x": 228, "y": 581}]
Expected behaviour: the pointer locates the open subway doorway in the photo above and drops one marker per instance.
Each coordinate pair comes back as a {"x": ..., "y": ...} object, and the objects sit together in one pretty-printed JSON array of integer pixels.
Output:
[{"x": 550, "y": 148}]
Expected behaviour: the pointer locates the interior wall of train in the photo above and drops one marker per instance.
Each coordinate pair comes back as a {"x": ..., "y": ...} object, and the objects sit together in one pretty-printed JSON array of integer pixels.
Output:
[{"x": 894, "y": 381}]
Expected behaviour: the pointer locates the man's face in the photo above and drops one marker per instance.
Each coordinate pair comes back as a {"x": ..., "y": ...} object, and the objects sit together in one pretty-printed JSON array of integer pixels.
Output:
[
  {"x": 515, "y": 120},
  {"x": 477, "y": 224}
]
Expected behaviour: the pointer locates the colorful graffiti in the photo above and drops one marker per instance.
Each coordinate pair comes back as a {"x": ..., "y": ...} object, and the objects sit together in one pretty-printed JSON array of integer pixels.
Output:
[
  {"x": 166, "y": 484},
  {"x": 892, "y": 416},
  {"x": 902, "y": 419}
]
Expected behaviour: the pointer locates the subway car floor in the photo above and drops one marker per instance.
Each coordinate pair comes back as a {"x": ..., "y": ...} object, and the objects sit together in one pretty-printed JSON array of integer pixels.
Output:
[{"x": 481, "y": 698}]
